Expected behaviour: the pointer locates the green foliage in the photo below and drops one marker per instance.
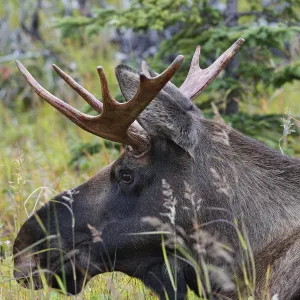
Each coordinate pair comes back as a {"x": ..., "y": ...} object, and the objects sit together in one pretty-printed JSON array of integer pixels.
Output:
[
  {"x": 256, "y": 63},
  {"x": 287, "y": 74},
  {"x": 140, "y": 16},
  {"x": 80, "y": 153},
  {"x": 70, "y": 25},
  {"x": 265, "y": 60}
]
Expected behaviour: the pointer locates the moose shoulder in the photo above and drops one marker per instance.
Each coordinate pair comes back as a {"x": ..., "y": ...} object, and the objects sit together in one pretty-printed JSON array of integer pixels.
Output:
[{"x": 174, "y": 158}]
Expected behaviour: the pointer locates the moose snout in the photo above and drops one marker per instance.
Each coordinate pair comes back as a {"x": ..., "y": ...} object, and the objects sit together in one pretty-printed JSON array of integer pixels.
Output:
[
  {"x": 42, "y": 246},
  {"x": 26, "y": 257},
  {"x": 33, "y": 259},
  {"x": 29, "y": 260},
  {"x": 26, "y": 271}
]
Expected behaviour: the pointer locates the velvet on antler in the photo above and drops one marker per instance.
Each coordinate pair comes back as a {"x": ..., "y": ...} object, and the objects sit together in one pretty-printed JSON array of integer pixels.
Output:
[
  {"x": 116, "y": 121},
  {"x": 198, "y": 79}
]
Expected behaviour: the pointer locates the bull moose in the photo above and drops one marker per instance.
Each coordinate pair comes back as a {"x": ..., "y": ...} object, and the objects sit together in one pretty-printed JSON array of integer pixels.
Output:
[{"x": 102, "y": 225}]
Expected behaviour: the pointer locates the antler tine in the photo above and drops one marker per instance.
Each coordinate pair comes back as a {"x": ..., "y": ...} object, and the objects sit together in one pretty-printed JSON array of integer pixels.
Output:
[
  {"x": 107, "y": 125},
  {"x": 87, "y": 96},
  {"x": 118, "y": 119},
  {"x": 195, "y": 60},
  {"x": 150, "y": 87},
  {"x": 71, "y": 113},
  {"x": 145, "y": 69},
  {"x": 198, "y": 79},
  {"x": 108, "y": 100}
]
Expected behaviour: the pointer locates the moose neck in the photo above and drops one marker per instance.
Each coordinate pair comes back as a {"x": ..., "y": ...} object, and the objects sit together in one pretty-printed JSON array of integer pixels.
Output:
[{"x": 258, "y": 185}]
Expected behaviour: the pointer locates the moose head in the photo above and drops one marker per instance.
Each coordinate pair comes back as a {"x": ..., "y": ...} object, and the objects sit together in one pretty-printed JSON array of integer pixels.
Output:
[{"x": 100, "y": 225}]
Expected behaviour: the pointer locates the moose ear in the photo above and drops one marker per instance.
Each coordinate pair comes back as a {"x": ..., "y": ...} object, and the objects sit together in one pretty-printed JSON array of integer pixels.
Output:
[
  {"x": 170, "y": 114},
  {"x": 128, "y": 80},
  {"x": 147, "y": 70},
  {"x": 170, "y": 88}
]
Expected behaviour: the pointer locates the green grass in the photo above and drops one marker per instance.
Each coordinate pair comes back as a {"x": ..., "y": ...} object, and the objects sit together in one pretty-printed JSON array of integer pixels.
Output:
[{"x": 106, "y": 286}]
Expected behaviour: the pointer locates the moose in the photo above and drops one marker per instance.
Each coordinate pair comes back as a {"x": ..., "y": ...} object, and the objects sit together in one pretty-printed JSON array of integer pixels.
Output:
[{"x": 100, "y": 225}]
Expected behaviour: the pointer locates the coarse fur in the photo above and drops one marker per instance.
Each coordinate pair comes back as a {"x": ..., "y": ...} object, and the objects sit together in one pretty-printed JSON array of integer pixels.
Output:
[{"x": 237, "y": 179}]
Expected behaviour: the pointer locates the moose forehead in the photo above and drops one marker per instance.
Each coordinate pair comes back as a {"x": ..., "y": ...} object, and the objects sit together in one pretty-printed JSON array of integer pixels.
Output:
[{"x": 162, "y": 154}]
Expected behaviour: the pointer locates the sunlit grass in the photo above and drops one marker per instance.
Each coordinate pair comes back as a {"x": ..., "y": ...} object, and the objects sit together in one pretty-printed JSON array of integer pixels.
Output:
[
  {"x": 275, "y": 102},
  {"x": 106, "y": 286}
]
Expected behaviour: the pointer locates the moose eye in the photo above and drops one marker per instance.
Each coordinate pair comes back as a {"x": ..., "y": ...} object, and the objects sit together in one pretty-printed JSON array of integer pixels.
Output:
[{"x": 127, "y": 177}]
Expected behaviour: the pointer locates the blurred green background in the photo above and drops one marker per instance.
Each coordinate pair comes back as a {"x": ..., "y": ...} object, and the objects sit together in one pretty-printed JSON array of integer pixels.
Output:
[{"x": 42, "y": 153}]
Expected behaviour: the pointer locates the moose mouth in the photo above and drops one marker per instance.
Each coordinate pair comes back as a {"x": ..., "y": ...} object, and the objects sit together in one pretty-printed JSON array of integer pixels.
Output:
[{"x": 66, "y": 273}]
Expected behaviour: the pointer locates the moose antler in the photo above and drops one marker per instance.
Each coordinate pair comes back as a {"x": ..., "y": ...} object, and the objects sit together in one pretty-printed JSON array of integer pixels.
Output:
[
  {"x": 198, "y": 79},
  {"x": 116, "y": 121}
]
